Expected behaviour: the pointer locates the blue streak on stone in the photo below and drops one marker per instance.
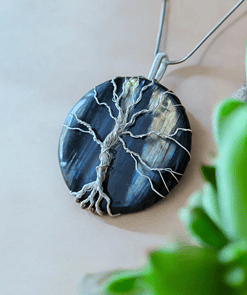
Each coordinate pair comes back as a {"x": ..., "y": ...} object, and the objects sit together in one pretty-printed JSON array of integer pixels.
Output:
[{"x": 128, "y": 190}]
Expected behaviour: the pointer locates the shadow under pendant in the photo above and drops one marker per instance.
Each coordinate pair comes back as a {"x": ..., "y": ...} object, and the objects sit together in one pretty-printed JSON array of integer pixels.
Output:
[{"x": 124, "y": 146}]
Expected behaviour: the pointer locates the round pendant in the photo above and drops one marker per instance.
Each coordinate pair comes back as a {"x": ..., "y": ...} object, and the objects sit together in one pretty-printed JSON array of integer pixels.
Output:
[{"x": 124, "y": 146}]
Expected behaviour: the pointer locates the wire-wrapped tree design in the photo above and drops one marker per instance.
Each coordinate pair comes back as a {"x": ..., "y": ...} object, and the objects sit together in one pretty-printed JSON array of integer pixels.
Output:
[{"x": 123, "y": 122}]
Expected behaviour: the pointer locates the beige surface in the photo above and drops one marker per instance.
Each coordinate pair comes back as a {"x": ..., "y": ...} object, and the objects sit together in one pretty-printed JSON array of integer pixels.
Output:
[{"x": 52, "y": 53}]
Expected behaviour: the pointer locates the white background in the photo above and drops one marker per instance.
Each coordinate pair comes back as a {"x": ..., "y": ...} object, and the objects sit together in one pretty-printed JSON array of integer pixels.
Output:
[{"x": 51, "y": 54}]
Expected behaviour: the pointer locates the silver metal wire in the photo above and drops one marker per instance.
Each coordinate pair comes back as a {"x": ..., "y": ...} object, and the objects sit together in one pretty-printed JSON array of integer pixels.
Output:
[
  {"x": 160, "y": 64},
  {"x": 161, "y": 27}
]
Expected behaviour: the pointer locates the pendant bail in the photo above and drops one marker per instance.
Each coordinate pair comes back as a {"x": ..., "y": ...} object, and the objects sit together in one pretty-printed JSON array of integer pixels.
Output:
[{"x": 159, "y": 66}]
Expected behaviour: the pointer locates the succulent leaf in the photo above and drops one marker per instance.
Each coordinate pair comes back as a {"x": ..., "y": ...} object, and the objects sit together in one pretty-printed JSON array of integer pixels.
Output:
[
  {"x": 188, "y": 270},
  {"x": 220, "y": 119},
  {"x": 231, "y": 173},
  {"x": 209, "y": 173},
  {"x": 210, "y": 203},
  {"x": 203, "y": 228}
]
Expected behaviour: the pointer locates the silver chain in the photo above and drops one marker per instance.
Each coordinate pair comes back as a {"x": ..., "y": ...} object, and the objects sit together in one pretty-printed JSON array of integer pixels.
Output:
[{"x": 161, "y": 60}]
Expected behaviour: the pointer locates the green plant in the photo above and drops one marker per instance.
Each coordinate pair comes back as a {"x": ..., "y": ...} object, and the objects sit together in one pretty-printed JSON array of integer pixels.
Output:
[{"x": 216, "y": 217}]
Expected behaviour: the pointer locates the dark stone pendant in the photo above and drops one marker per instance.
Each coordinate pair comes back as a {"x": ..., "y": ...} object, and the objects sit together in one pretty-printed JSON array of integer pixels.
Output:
[{"x": 124, "y": 146}]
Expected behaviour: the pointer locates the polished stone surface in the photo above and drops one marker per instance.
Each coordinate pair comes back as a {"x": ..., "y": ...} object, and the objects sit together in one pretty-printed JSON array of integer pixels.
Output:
[{"x": 128, "y": 190}]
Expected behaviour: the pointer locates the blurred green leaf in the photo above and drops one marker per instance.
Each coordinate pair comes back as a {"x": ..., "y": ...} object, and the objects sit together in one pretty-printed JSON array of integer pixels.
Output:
[
  {"x": 202, "y": 227},
  {"x": 234, "y": 253},
  {"x": 236, "y": 279},
  {"x": 127, "y": 283},
  {"x": 232, "y": 172},
  {"x": 188, "y": 270},
  {"x": 209, "y": 173},
  {"x": 234, "y": 259},
  {"x": 122, "y": 285},
  {"x": 195, "y": 199},
  {"x": 210, "y": 203},
  {"x": 93, "y": 284},
  {"x": 220, "y": 119},
  {"x": 209, "y": 194}
]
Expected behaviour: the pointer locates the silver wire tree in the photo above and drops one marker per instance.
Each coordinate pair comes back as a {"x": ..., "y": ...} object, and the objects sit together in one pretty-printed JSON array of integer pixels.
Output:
[{"x": 122, "y": 124}]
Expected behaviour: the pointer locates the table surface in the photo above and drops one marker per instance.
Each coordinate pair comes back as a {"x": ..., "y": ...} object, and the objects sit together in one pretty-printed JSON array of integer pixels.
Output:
[{"x": 51, "y": 54}]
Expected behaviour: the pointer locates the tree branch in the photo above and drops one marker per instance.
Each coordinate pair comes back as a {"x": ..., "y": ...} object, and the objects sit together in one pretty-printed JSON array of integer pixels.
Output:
[
  {"x": 90, "y": 129},
  {"x": 104, "y": 104},
  {"x": 133, "y": 155},
  {"x": 162, "y": 135}
]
